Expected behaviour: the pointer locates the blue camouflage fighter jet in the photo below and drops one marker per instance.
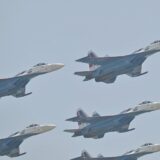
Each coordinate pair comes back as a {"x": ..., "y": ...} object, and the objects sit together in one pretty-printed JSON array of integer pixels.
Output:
[
  {"x": 10, "y": 146},
  {"x": 106, "y": 69},
  {"x": 96, "y": 126},
  {"x": 15, "y": 86},
  {"x": 143, "y": 150}
]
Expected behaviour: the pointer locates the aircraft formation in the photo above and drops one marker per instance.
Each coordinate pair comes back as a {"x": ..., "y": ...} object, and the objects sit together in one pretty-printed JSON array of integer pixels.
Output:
[
  {"x": 96, "y": 126},
  {"x": 102, "y": 69}
]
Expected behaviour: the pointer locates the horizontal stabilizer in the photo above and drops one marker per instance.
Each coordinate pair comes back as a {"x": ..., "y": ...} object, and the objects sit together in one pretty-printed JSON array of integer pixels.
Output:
[
  {"x": 74, "y": 119},
  {"x": 84, "y": 73},
  {"x": 27, "y": 94},
  {"x": 71, "y": 130},
  {"x": 91, "y": 55},
  {"x": 21, "y": 154}
]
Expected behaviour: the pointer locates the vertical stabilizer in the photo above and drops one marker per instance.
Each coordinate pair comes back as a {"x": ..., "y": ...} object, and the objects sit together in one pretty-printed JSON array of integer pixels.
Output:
[
  {"x": 85, "y": 155},
  {"x": 81, "y": 116},
  {"x": 92, "y": 67}
]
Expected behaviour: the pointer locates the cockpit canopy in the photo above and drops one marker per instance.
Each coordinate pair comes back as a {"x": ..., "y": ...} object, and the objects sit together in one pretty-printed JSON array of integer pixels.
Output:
[
  {"x": 14, "y": 134},
  {"x": 138, "y": 50},
  {"x": 129, "y": 152},
  {"x": 21, "y": 73},
  {"x": 39, "y": 64},
  {"x": 32, "y": 125},
  {"x": 145, "y": 102},
  {"x": 127, "y": 110},
  {"x": 147, "y": 144}
]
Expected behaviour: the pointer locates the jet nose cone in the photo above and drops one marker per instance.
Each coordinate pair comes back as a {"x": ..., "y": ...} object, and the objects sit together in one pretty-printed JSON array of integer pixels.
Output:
[
  {"x": 56, "y": 66},
  {"x": 59, "y": 65},
  {"x": 48, "y": 127},
  {"x": 82, "y": 59},
  {"x": 155, "y": 106},
  {"x": 156, "y": 148}
]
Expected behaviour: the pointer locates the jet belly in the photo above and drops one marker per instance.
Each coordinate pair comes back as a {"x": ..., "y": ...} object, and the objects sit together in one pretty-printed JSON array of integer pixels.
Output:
[
  {"x": 103, "y": 127},
  {"x": 111, "y": 70}
]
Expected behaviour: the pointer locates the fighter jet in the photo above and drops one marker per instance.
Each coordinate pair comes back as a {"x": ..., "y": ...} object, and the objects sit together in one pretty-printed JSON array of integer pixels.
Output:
[
  {"x": 106, "y": 69},
  {"x": 15, "y": 86},
  {"x": 143, "y": 150},
  {"x": 96, "y": 126},
  {"x": 10, "y": 146}
]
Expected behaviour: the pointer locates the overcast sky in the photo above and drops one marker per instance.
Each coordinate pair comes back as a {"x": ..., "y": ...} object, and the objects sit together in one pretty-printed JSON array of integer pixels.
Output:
[{"x": 33, "y": 31}]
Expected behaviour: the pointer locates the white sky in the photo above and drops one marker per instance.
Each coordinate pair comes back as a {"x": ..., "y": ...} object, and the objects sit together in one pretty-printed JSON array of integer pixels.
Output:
[{"x": 33, "y": 31}]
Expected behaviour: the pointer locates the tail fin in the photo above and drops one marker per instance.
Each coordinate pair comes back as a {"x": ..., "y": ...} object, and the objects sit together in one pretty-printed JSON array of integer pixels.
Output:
[
  {"x": 89, "y": 58},
  {"x": 81, "y": 116},
  {"x": 85, "y": 155},
  {"x": 92, "y": 67},
  {"x": 91, "y": 54}
]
